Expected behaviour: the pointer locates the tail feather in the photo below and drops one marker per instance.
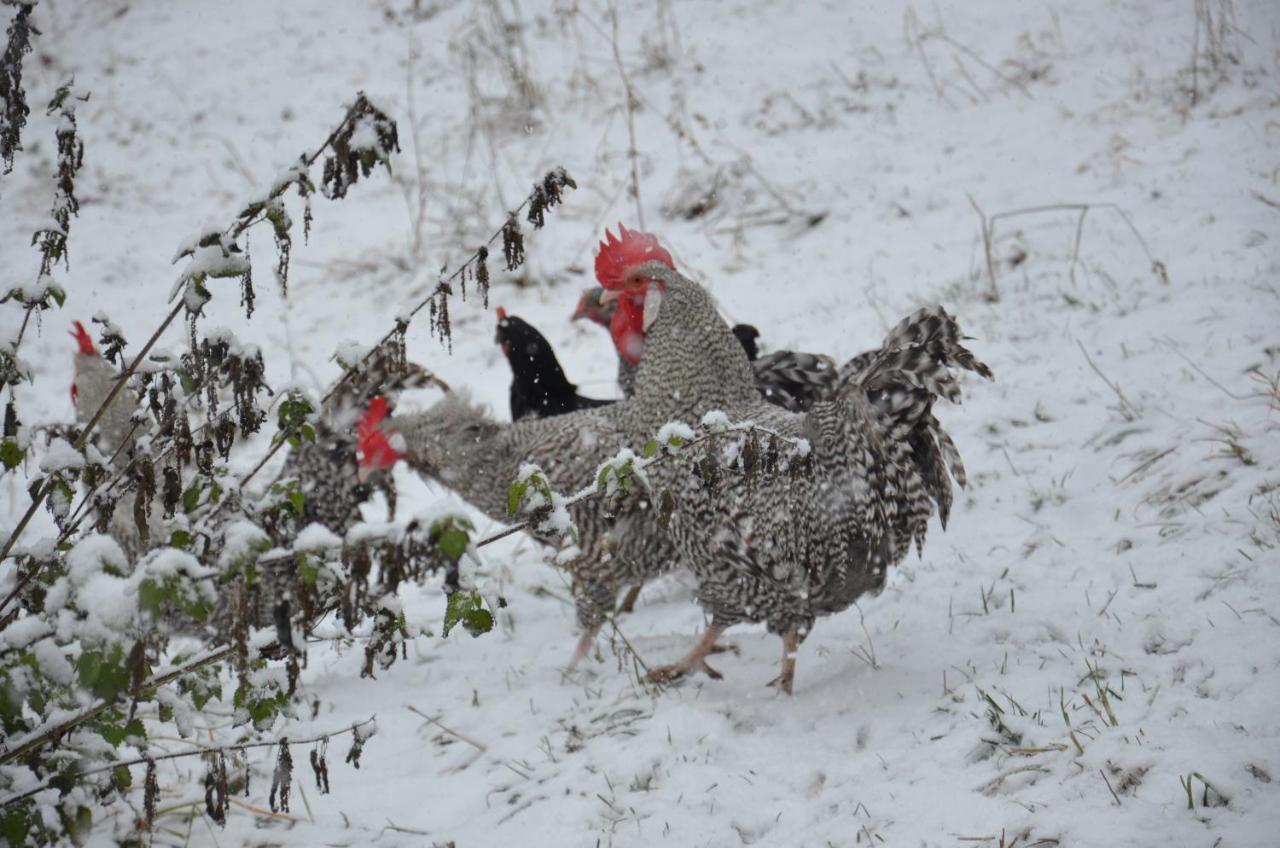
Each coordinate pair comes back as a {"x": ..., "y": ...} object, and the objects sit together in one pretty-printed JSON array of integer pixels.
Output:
[
  {"x": 795, "y": 380},
  {"x": 915, "y": 366},
  {"x": 950, "y": 453}
]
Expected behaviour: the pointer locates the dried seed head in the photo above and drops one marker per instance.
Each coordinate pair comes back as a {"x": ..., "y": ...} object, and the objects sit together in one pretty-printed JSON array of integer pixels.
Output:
[
  {"x": 319, "y": 767},
  {"x": 282, "y": 779},
  {"x": 104, "y": 507},
  {"x": 512, "y": 243},
  {"x": 11, "y": 421},
  {"x": 216, "y": 789},
  {"x": 538, "y": 204},
  {"x": 172, "y": 491},
  {"x": 482, "y": 273},
  {"x": 182, "y": 441},
  {"x": 151, "y": 794}
]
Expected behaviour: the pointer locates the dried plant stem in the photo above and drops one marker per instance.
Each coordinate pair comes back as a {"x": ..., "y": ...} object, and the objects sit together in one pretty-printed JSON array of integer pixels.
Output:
[
  {"x": 193, "y": 752},
  {"x": 233, "y": 232},
  {"x": 989, "y": 234},
  {"x": 1129, "y": 411},
  {"x": 57, "y": 730},
  {"x": 632, "y": 151},
  {"x": 479, "y": 746},
  {"x": 458, "y": 272},
  {"x": 679, "y": 131}
]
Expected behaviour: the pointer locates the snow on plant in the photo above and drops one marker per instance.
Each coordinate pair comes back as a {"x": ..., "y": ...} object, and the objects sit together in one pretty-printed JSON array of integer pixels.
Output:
[
  {"x": 87, "y": 674},
  {"x": 547, "y": 511}
]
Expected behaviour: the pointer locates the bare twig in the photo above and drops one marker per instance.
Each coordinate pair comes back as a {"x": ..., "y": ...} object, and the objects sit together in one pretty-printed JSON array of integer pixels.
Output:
[
  {"x": 1127, "y": 409},
  {"x": 477, "y": 255},
  {"x": 632, "y": 151},
  {"x": 989, "y": 233},
  {"x": 191, "y": 752}
]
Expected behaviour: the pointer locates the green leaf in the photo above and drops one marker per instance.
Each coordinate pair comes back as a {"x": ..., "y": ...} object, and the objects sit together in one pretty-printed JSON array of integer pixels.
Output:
[
  {"x": 180, "y": 539},
  {"x": 104, "y": 675},
  {"x": 298, "y": 501},
  {"x": 89, "y": 665},
  {"x": 308, "y": 570},
  {"x": 650, "y": 449},
  {"x": 122, "y": 776},
  {"x": 152, "y": 596},
  {"x": 15, "y": 826},
  {"x": 117, "y": 733},
  {"x": 467, "y": 609},
  {"x": 453, "y": 543},
  {"x": 11, "y": 455},
  {"x": 451, "y": 534},
  {"x": 191, "y": 497},
  {"x": 515, "y": 496}
]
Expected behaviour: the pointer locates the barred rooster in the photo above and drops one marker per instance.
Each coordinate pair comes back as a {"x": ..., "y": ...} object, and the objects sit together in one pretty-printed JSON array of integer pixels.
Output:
[
  {"x": 785, "y": 550},
  {"x": 538, "y": 384},
  {"x": 786, "y": 378}
]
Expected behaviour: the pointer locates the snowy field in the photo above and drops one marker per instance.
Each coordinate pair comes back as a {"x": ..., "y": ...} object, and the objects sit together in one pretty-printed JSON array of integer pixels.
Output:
[{"x": 1098, "y": 628}]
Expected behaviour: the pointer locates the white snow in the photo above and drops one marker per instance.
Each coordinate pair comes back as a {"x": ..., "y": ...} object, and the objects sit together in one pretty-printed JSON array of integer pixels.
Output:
[
  {"x": 316, "y": 537},
  {"x": 61, "y": 456},
  {"x": 241, "y": 538},
  {"x": 1121, "y": 519}
]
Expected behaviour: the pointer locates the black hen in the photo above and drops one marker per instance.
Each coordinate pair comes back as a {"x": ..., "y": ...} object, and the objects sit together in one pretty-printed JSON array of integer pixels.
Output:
[{"x": 539, "y": 388}]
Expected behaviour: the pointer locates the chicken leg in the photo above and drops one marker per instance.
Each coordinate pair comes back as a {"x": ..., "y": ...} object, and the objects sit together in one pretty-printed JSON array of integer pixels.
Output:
[
  {"x": 786, "y": 680},
  {"x": 585, "y": 641},
  {"x": 629, "y": 600},
  {"x": 694, "y": 661}
]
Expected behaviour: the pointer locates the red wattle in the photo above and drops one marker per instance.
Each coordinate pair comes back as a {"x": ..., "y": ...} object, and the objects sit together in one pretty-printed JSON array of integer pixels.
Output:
[{"x": 627, "y": 328}]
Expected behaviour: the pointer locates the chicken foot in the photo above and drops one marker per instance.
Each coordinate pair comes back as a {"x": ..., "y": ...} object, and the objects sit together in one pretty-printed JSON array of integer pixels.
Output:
[
  {"x": 785, "y": 681},
  {"x": 694, "y": 661}
]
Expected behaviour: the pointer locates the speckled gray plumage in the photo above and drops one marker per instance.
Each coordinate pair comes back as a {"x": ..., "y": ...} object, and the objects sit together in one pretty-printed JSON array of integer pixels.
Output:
[{"x": 785, "y": 550}]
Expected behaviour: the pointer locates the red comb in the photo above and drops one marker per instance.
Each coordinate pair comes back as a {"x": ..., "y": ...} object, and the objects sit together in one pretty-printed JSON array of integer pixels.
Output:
[
  {"x": 502, "y": 314},
  {"x": 373, "y": 448},
  {"x": 630, "y": 249},
  {"x": 81, "y": 335}
]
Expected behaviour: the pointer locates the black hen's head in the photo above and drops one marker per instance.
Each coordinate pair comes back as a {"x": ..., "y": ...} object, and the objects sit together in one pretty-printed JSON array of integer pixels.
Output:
[
  {"x": 525, "y": 348},
  {"x": 747, "y": 335},
  {"x": 538, "y": 383}
]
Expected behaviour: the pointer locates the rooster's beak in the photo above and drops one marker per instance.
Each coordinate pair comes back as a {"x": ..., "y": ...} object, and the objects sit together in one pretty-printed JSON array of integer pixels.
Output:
[
  {"x": 609, "y": 296},
  {"x": 363, "y": 473}
]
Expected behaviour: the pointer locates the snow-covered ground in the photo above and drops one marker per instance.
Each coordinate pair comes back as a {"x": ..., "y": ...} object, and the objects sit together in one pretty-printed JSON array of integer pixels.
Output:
[{"x": 1099, "y": 623}]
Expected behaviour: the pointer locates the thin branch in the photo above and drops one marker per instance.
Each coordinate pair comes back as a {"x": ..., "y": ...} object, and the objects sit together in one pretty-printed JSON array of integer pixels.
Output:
[
  {"x": 234, "y": 232},
  {"x": 1130, "y": 412},
  {"x": 632, "y": 151},
  {"x": 192, "y": 752},
  {"x": 347, "y": 375},
  {"x": 51, "y": 732}
]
